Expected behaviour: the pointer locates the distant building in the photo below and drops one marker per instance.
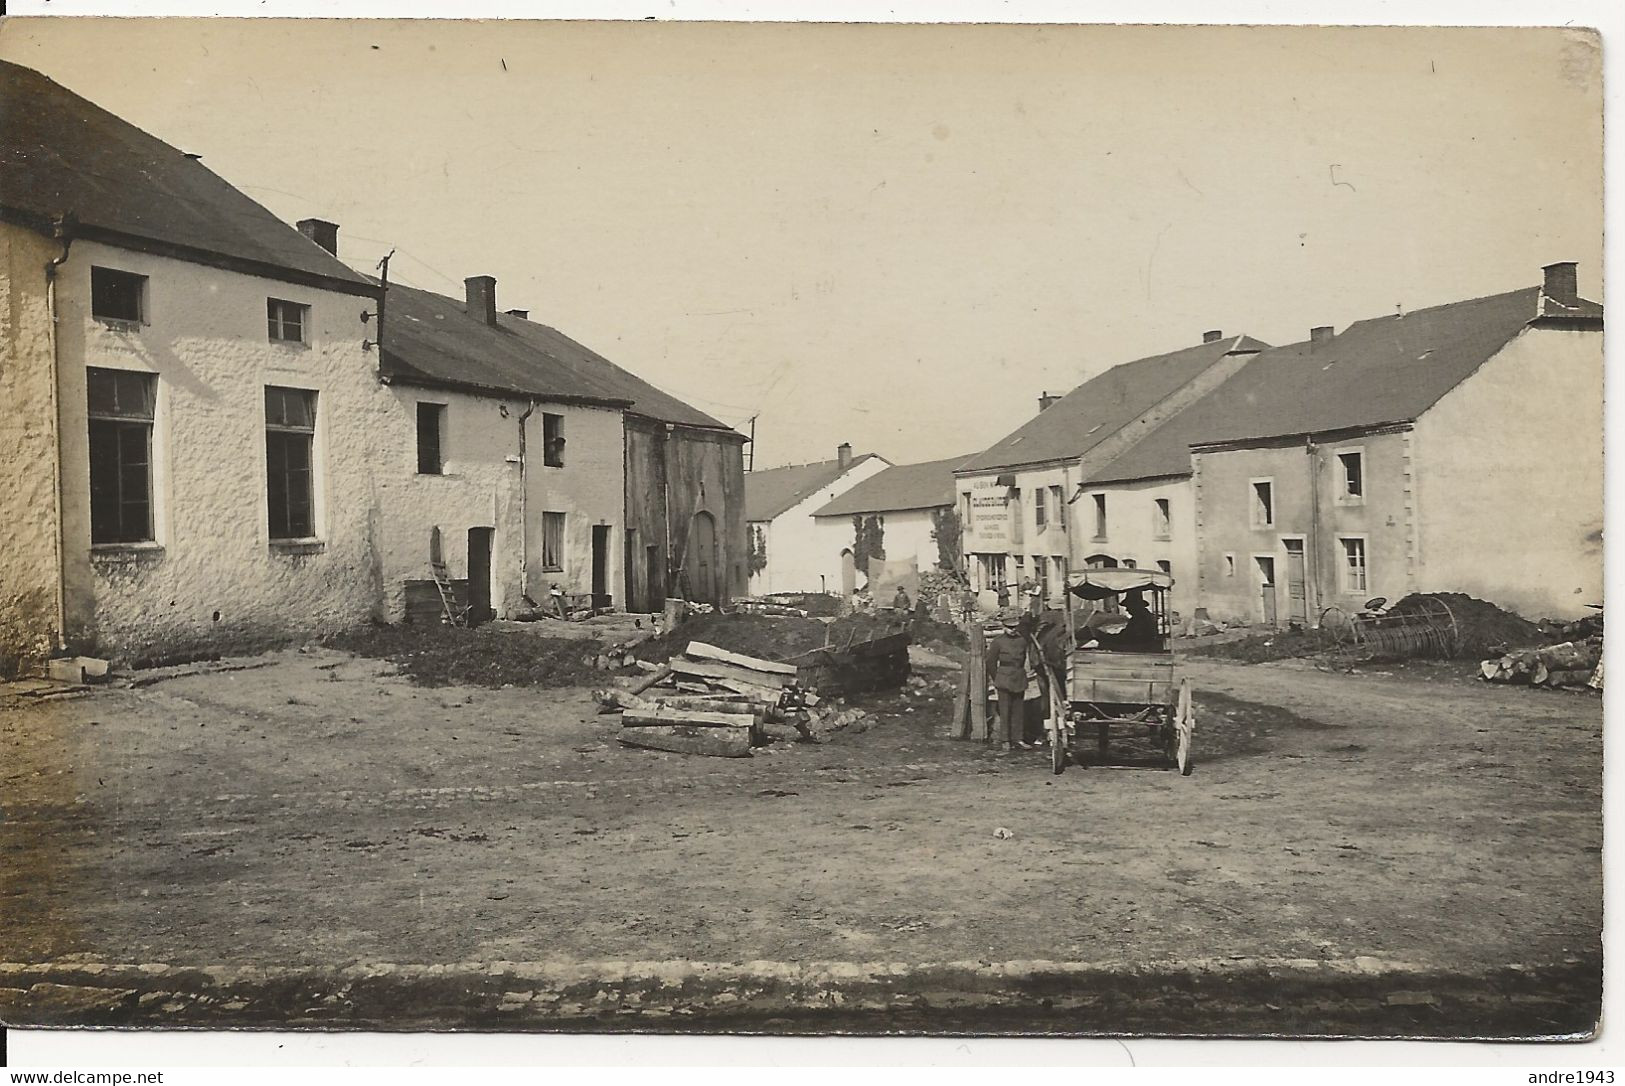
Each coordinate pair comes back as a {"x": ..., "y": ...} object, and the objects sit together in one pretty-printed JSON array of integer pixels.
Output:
[
  {"x": 1019, "y": 499},
  {"x": 913, "y": 507},
  {"x": 174, "y": 474},
  {"x": 1457, "y": 448},
  {"x": 791, "y": 551}
]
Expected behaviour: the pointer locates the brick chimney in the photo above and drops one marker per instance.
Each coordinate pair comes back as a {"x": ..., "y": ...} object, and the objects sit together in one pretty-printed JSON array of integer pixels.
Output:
[
  {"x": 1320, "y": 334},
  {"x": 326, "y": 234},
  {"x": 522, "y": 314},
  {"x": 482, "y": 298},
  {"x": 1046, "y": 400},
  {"x": 843, "y": 455},
  {"x": 1213, "y": 336},
  {"x": 1562, "y": 283}
]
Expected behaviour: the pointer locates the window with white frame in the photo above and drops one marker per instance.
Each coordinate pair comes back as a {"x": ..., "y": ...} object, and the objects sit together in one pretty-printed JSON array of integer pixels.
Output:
[
  {"x": 290, "y": 437},
  {"x": 118, "y": 296},
  {"x": 1161, "y": 519},
  {"x": 1100, "y": 515},
  {"x": 286, "y": 321},
  {"x": 1263, "y": 503},
  {"x": 1351, "y": 476},
  {"x": 1057, "y": 499},
  {"x": 1040, "y": 508},
  {"x": 122, "y": 407},
  {"x": 1355, "y": 574},
  {"x": 553, "y": 542}
]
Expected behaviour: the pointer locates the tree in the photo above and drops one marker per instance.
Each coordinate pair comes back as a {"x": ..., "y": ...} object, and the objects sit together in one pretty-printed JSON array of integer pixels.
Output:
[
  {"x": 948, "y": 532},
  {"x": 758, "y": 549},
  {"x": 868, "y": 540}
]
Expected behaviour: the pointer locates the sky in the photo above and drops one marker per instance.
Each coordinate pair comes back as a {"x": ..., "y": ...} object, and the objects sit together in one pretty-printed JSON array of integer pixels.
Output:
[{"x": 894, "y": 236}]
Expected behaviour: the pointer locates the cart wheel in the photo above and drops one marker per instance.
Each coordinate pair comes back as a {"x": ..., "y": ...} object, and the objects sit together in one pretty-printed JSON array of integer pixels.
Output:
[
  {"x": 1185, "y": 725},
  {"x": 1057, "y": 750}
]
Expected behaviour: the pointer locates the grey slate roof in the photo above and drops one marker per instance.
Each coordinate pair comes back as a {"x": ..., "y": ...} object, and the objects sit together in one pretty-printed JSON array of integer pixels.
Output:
[
  {"x": 60, "y": 153},
  {"x": 430, "y": 339},
  {"x": 903, "y": 486},
  {"x": 774, "y": 490},
  {"x": 1102, "y": 405},
  {"x": 1376, "y": 372}
]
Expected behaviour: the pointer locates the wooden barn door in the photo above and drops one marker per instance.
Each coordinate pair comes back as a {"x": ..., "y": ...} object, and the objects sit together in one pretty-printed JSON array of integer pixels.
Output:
[{"x": 702, "y": 560}]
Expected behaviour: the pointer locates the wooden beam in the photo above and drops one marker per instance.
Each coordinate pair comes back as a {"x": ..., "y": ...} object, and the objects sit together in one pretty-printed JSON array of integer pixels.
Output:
[
  {"x": 660, "y": 718},
  {"x": 707, "y": 669},
  {"x": 700, "y": 650},
  {"x": 680, "y": 740}
]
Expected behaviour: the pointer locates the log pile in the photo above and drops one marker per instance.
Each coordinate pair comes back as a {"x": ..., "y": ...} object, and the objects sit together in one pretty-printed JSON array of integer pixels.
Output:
[
  {"x": 1572, "y": 663},
  {"x": 710, "y": 701}
]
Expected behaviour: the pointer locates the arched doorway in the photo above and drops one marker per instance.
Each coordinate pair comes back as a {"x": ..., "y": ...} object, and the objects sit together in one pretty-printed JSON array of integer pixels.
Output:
[{"x": 701, "y": 564}]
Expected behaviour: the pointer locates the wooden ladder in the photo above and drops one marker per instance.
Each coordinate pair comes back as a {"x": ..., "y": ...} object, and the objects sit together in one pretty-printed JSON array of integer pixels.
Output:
[{"x": 450, "y": 613}]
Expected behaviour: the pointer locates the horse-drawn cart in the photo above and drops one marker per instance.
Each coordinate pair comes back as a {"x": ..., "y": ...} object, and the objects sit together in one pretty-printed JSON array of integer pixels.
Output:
[{"x": 1125, "y": 683}]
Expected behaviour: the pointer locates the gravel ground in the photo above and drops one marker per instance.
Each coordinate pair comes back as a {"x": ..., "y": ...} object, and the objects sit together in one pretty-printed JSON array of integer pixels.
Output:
[{"x": 317, "y": 810}]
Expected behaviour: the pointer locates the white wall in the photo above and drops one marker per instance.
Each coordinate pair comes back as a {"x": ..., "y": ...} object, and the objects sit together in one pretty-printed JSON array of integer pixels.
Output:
[
  {"x": 1131, "y": 531},
  {"x": 803, "y": 554},
  {"x": 212, "y": 578},
  {"x": 1510, "y": 478},
  {"x": 907, "y": 534},
  {"x": 1012, "y": 530}
]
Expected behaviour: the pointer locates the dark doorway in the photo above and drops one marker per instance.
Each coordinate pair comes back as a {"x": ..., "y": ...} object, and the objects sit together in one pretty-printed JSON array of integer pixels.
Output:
[
  {"x": 702, "y": 559},
  {"x": 635, "y": 600},
  {"x": 600, "y": 566},
  {"x": 1266, "y": 587},
  {"x": 479, "y": 576}
]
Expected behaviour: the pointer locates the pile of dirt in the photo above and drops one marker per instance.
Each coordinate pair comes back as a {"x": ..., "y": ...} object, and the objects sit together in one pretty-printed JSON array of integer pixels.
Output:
[
  {"x": 763, "y": 636},
  {"x": 447, "y": 655},
  {"x": 1262, "y": 648},
  {"x": 1484, "y": 629}
]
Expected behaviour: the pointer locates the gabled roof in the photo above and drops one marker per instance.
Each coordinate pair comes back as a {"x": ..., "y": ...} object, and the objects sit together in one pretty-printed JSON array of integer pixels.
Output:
[
  {"x": 433, "y": 340},
  {"x": 1103, "y": 405},
  {"x": 1377, "y": 372},
  {"x": 902, "y": 486},
  {"x": 61, "y": 154},
  {"x": 430, "y": 339},
  {"x": 774, "y": 490}
]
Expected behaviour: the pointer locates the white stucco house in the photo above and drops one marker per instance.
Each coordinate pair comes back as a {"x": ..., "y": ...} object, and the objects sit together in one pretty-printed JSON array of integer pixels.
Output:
[
  {"x": 909, "y": 507},
  {"x": 791, "y": 549},
  {"x": 173, "y": 477}
]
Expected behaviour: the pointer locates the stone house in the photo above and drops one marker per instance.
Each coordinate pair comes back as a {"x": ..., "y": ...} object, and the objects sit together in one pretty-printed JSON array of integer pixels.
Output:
[
  {"x": 792, "y": 551},
  {"x": 1020, "y": 499},
  {"x": 1456, "y": 448},
  {"x": 174, "y": 477}
]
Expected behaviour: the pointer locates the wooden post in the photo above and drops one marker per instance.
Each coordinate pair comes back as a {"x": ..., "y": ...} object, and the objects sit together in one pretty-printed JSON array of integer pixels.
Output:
[
  {"x": 978, "y": 681},
  {"x": 959, "y": 725}
]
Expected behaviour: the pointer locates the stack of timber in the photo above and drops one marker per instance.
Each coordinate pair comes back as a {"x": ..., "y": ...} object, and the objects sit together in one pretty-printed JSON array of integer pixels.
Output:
[
  {"x": 1573, "y": 663},
  {"x": 713, "y": 702}
]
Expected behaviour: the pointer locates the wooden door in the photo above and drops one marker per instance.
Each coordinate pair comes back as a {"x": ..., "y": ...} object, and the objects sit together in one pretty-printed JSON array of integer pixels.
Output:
[
  {"x": 656, "y": 572},
  {"x": 702, "y": 560},
  {"x": 600, "y": 566},
  {"x": 1266, "y": 588},
  {"x": 1297, "y": 589}
]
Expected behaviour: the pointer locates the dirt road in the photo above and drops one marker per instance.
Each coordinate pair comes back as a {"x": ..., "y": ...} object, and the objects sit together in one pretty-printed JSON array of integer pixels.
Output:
[{"x": 319, "y": 812}]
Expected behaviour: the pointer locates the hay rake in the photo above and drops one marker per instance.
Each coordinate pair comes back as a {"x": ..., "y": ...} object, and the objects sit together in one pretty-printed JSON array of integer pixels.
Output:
[{"x": 1426, "y": 629}]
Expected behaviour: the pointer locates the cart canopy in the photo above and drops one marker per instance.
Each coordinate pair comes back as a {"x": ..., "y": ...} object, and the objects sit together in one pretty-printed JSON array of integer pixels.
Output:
[{"x": 1099, "y": 584}]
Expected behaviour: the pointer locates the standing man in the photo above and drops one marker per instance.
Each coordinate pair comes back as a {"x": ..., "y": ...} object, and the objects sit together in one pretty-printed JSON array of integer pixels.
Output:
[{"x": 1007, "y": 670}]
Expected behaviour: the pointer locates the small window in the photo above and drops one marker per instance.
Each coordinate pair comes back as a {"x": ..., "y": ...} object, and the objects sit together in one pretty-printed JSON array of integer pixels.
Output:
[
  {"x": 1351, "y": 476},
  {"x": 1040, "y": 510},
  {"x": 1229, "y": 565},
  {"x": 1263, "y": 503},
  {"x": 553, "y": 441},
  {"x": 118, "y": 295},
  {"x": 431, "y": 438},
  {"x": 121, "y": 407},
  {"x": 286, "y": 320},
  {"x": 1166, "y": 566},
  {"x": 1100, "y": 516},
  {"x": 1129, "y": 563},
  {"x": 1161, "y": 526},
  {"x": 1354, "y": 568},
  {"x": 1058, "y": 502},
  {"x": 290, "y": 433},
  {"x": 553, "y": 542}
]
